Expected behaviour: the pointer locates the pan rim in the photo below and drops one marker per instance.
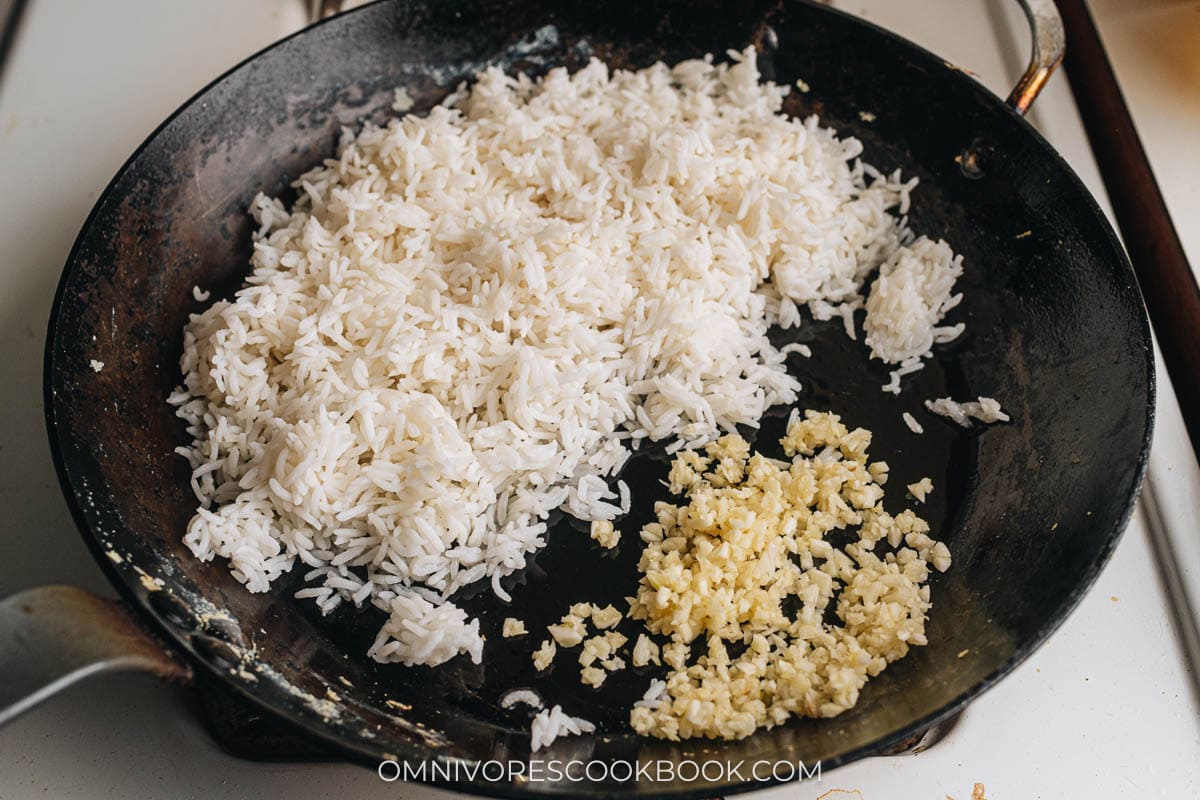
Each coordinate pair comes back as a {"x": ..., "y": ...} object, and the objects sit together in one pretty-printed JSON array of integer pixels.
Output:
[{"x": 355, "y": 747}]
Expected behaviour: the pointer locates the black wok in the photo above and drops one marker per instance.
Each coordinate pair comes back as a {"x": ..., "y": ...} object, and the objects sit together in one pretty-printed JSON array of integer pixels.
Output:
[{"x": 1031, "y": 509}]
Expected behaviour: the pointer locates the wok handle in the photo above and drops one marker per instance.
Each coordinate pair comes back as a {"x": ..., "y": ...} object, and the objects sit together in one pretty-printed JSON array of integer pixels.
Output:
[
  {"x": 53, "y": 636},
  {"x": 1049, "y": 43},
  {"x": 1045, "y": 25},
  {"x": 320, "y": 9}
]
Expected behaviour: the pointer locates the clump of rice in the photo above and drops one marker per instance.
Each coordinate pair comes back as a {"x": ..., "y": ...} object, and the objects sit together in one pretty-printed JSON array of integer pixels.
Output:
[
  {"x": 420, "y": 632},
  {"x": 986, "y": 409},
  {"x": 908, "y": 299},
  {"x": 751, "y": 540},
  {"x": 468, "y": 319},
  {"x": 551, "y": 723}
]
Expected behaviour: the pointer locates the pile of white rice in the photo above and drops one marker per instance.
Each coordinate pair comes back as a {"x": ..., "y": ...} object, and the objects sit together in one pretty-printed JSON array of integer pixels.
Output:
[{"x": 468, "y": 319}]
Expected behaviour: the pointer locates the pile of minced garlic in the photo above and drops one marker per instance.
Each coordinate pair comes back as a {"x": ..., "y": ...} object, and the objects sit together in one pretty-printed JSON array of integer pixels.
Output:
[{"x": 739, "y": 579}]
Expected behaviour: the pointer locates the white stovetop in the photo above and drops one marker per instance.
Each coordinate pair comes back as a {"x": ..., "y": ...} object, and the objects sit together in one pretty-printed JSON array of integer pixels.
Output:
[{"x": 1104, "y": 710}]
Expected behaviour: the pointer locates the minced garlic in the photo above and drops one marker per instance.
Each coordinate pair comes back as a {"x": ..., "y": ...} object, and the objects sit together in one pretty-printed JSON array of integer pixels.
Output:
[
  {"x": 645, "y": 651},
  {"x": 921, "y": 489},
  {"x": 751, "y": 536},
  {"x": 605, "y": 617},
  {"x": 605, "y": 533},
  {"x": 569, "y": 632},
  {"x": 544, "y": 655}
]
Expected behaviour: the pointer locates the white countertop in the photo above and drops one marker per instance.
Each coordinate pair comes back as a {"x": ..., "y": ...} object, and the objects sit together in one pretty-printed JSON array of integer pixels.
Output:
[{"x": 1104, "y": 709}]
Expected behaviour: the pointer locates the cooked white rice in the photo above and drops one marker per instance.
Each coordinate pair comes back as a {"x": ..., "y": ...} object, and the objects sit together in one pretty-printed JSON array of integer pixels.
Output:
[
  {"x": 526, "y": 696},
  {"x": 469, "y": 318},
  {"x": 986, "y": 409},
  {"x": 551, "y": 723},
  {"x": 419, "y": 632},
  {"x": 912, "y": 423},
  {"x": 655, "y": 696},
  {"x": 908, "y": 299}
]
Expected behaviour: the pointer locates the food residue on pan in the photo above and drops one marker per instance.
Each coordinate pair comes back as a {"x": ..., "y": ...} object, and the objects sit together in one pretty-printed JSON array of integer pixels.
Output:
[
  {"x": 841, "y": 794},
  {"x": 957, "y": 68},
  {"x": 402, "y": 102},
  {"x": 244, "y": 674},
  {"x": 150, "y": 584}
]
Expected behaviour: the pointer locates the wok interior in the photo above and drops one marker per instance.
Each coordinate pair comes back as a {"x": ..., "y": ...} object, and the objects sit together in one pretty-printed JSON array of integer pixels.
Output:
[{"x": 1029, "y": 509}]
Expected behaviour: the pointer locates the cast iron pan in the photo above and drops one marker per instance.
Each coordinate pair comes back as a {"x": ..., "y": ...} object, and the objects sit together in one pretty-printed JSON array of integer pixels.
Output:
[{"x": 1031, "y": 510}]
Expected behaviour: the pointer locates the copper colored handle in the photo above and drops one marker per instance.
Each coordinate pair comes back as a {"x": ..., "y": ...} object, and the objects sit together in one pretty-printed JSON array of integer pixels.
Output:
[
  {"x": 1049, "y": 43},
  {"x": 320, "y": 9},
  {"x": 54, "y": 636}
]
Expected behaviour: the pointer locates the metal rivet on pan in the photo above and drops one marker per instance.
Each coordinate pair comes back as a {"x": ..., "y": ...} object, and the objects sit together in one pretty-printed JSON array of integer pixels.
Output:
[
  {"x": 170, "y": 608},
  {"x": 976, "y": 159},
  {"x": 766, "y": 39},
  {"x": 215, "y": 651}
]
